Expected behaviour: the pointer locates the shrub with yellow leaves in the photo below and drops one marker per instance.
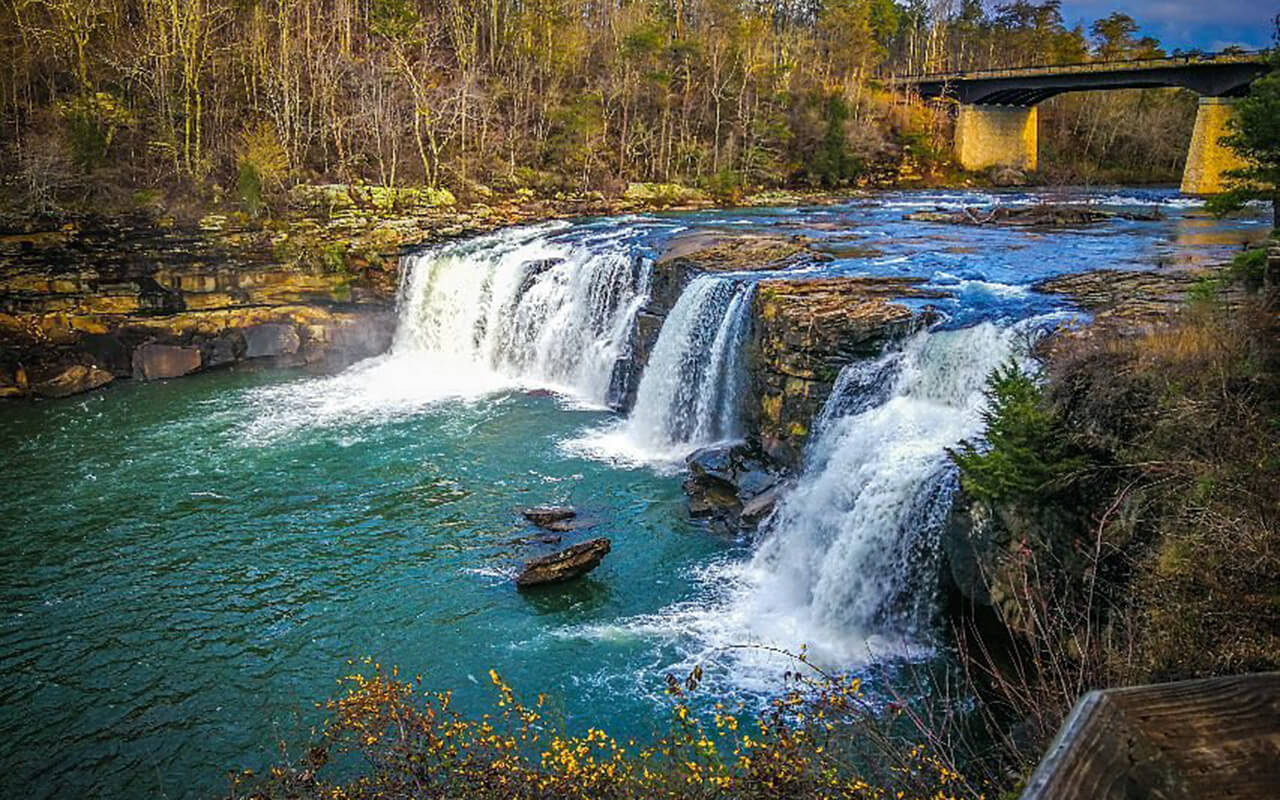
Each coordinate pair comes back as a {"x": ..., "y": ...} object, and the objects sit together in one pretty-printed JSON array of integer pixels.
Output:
[{"x": 817, "y": 738}]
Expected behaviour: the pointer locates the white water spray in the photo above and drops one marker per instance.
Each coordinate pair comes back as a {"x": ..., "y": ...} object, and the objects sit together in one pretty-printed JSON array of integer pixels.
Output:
[
  {"x": 847, "y": 565},
  {"x": 519, "y": 307},
  {"x": 691, "y": 391},
  {"x": 531, "y": 310}
]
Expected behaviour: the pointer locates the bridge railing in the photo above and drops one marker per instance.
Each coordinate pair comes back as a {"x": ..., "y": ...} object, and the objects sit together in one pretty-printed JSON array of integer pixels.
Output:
[{"x": 1085, "y": 67}]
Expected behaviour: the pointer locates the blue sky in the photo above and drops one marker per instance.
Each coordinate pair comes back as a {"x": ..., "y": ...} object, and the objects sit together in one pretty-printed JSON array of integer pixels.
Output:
[{"x": 1187, "y": 24}]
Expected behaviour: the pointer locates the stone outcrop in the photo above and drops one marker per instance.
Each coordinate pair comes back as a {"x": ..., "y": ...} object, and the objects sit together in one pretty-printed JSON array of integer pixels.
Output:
[
  {"x": 734, "y": 486},
  {"x": 543, "y": 516},
  {"x": 1044, "y": 215},
  {"x": 1126, "y": 295},
  {"x": 66, "y": 381},
  {"x": 567, "y": 564},
  {"x": 138, "y": 298},
  {"x": 803, "y": 333}
]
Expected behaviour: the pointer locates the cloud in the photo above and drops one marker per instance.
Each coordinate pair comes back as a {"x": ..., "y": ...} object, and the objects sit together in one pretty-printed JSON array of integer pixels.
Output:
[{"x": 1186, "y": 24}]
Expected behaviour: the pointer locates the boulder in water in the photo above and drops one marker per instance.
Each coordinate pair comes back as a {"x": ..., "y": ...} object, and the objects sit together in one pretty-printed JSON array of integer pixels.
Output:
[
  {"x": 546, "y": 516},
  {"x": 564, "y": 565},
  {"x": 725, "y": 479},
  {"x": 73, "y": 379},
  {"x": 758, "y": 508}
]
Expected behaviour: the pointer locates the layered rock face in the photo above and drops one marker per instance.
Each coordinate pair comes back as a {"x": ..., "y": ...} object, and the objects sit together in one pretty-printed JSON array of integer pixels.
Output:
[
  {"x": 1038, "y": 216},
  {"x": 1126, "y": 297},
  {"x": 803, "y": 333},
  {"x": 82, "y": 305}
]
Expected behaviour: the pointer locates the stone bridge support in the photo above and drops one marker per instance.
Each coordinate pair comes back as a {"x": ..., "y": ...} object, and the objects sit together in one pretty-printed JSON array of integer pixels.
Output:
[
  {"x": 1207, "y": 158},
  {"x": 996, "y": 136}
]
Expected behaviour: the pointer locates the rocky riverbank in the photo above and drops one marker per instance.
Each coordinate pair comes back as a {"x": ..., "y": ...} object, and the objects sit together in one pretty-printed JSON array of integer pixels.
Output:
[
  {"x": 94, "y": 300},
  {"x": 1167, "y": 357}
]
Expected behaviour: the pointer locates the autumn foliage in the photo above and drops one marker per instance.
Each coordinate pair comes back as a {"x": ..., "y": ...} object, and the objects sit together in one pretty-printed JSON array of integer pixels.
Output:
[{"x": 820, "y": 738}]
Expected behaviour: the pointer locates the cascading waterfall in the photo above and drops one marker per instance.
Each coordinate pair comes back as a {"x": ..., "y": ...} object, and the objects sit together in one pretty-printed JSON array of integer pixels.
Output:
[
  {"x": 531, "y": 309},
  {"x": 846, "y": 565},
  {"x": 524, "y": 306},
  {"x": 691, "y": 388},
  {"x": 847, "y": 553},
  {"x": 690, "y": 393}
]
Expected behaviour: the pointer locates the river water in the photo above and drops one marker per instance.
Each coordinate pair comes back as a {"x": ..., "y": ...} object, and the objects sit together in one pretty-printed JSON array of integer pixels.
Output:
[{"x": 188, "y": 565}]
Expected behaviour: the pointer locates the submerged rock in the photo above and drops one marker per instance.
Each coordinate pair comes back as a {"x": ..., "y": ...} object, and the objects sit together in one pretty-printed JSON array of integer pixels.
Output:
[
  {"x": 541, "y": 538},
  {"x": 564, "y": 565},
  {"x": 545, "y": 516},
  {"x": 569, "y": 525}
]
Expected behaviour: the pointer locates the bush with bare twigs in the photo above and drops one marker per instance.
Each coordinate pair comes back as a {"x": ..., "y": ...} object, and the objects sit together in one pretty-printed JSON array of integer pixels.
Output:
[{"x": 1157, "y": 556}]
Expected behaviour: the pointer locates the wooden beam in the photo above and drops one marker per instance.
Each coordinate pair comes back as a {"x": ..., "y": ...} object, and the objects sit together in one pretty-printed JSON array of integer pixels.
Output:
[{"x": 1211, "y": 738}]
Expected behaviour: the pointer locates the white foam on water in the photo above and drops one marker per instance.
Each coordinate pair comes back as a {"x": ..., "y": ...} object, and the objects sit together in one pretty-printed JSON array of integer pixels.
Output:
[{"x": 977, "y": 288}]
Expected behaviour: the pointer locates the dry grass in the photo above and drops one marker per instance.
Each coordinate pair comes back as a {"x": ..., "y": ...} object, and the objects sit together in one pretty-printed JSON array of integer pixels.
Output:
[{"x": 1160, "y": 560}]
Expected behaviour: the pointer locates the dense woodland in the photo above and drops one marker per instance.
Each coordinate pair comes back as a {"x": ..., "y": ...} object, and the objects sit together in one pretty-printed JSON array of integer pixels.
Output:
[{"x": 120, "y": 101}]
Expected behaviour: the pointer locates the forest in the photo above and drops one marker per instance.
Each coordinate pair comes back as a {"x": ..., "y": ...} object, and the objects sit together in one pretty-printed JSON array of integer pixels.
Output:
[{"x": 115, "y": 104}]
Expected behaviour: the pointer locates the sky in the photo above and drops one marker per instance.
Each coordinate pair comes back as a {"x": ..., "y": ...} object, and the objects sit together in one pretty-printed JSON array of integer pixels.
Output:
[{"x": 1187, "y": 24}]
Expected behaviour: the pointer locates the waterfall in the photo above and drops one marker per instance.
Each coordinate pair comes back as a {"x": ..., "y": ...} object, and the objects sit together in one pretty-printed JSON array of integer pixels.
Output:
[
  {"x": 547, "y": 306},
  {"x": 531, "y": 309},
  {"x": 847, "y": 564},
  {"x": 848, "y": 556},
  {"x": 691, "y": 390}
]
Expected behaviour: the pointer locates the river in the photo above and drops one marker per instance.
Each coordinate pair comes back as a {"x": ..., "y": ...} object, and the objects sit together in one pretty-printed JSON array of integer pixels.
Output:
[{"x": 188, "y": 565}]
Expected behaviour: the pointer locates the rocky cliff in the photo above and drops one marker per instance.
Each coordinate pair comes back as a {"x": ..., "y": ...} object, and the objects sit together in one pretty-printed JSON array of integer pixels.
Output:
[
  {"x": 84, "y": 303},
  {"x": 803, "y": 333}
]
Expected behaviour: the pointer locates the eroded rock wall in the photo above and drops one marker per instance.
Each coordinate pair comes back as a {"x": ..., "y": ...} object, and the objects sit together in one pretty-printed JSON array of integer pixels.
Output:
[
  {"x": 84, "y": 304},
  {"x": 803, "y": 333}
]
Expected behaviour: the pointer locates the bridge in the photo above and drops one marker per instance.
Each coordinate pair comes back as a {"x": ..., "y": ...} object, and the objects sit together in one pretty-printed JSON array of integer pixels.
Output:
[{"x": 996, "y": 125}]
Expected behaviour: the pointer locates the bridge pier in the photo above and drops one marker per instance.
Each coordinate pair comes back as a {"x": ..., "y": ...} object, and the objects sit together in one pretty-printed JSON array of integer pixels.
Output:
[
  {"x": 996, "y": 136},
  {"x": 1208, "y": 159}
]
